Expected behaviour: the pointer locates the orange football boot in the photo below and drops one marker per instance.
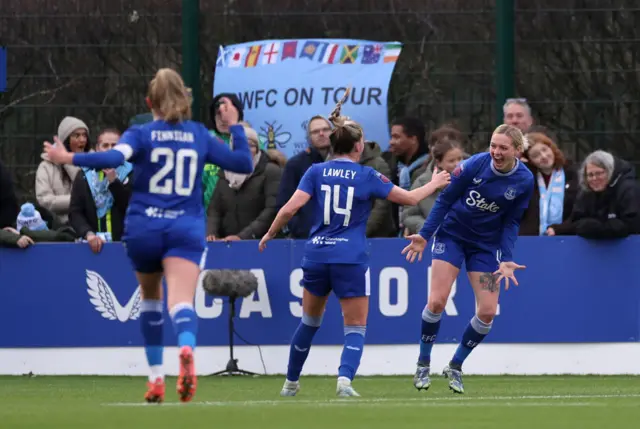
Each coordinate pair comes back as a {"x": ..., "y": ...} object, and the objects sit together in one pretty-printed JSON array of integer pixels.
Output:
[{"x": 187, "y": 382}]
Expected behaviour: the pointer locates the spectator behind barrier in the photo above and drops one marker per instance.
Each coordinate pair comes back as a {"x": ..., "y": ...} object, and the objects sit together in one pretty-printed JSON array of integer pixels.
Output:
[
  {"x": 8, "y": 199},
  {"x": 35, "y": 223},
  {"x": 243, "y": 206},
  {"x": 54, "y": 182},
  {"x": 380, "y": 223},
  {"x": 99, "y": 199},
  {"x": 608, "y": 204},
  {"x": 318, "y": 131},
  {"x": 407, "y": 156},
  {"x": 220, "y": 129},
  {"x": 556, "y": 186},
  {"x": 517, "y": 112},
  {"x": 446, "y": 153}
]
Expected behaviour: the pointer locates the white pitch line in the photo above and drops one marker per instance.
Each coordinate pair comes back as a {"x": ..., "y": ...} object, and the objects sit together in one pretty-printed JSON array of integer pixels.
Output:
[{"x": 425, "y": 401}]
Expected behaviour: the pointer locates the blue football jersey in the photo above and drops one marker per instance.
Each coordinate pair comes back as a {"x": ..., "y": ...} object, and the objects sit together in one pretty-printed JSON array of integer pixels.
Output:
[
  {"x": 482, "y": 206},
  {"x": 168, "y": 163},
  {"x": 342, "y": 194}
]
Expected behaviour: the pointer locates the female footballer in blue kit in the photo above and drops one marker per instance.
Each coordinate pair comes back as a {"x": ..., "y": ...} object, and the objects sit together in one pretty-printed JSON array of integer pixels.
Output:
[
  {"x": 335, "y": 256},
  {"x": 165, "y": 222},
  {"x": 476, "y": 221}
]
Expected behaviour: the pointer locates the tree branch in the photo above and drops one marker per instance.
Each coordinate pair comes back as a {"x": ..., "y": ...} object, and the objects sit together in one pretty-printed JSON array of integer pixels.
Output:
[{"x": 51, "y": 92}]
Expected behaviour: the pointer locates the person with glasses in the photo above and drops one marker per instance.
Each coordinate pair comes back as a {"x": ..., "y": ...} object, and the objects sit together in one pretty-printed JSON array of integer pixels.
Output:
[
  {"x": 318, "y": 131},
  {"x": 608, "y": 204}
]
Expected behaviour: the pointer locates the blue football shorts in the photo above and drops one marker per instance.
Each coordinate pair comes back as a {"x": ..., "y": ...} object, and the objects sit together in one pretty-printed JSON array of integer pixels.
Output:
[
  {"x": 455, "y": 251},
  {"x": 148, "y": 242},
  {"x": 345, "y": 280}
]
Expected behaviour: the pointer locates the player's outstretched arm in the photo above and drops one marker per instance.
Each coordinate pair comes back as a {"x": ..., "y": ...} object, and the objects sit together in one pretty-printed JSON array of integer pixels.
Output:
[
  {"x": 239, "y": 160},
  {"x": 295, "y": 203},
  {"x": 413, "y": 197},
  {"x": 460, "y": 181},
  {"x": 58, "y": 154}
]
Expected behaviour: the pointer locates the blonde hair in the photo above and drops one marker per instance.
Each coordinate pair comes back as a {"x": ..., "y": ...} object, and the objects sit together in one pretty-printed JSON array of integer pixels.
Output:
[
  {"x": 346, "y": 133},
  {"x": 517, "y": 138},
  {"x": 169, "y": 97}
]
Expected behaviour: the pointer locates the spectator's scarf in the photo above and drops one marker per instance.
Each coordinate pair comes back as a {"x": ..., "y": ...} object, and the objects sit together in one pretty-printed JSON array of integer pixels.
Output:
[
  {"x": 404, "y": 171},
  {"x": 551, "y": 199},
  {"x": 236, "y": 179},
  {"x": 100, "y": 187}
]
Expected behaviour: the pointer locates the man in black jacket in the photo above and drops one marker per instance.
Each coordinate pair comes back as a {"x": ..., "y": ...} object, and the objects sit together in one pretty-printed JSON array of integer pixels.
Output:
[
  {"x": 8, "y": 200},
  {"x": 318, "y": 131}
]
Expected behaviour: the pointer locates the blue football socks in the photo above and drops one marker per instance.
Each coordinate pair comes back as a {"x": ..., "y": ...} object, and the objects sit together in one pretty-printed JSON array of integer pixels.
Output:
[
  {"x": 476, "y": 331},
  {"x": 151, "y": 323},
  {"x": 430, "y": 328},
  {"x": 301, "y": 344},
  {"x": 352, "y": 351},
  {"x": 185, "y": 323}
]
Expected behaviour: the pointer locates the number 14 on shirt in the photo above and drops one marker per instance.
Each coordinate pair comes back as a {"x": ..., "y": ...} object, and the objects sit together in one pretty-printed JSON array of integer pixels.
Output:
[{"x": 346, "y": 211}]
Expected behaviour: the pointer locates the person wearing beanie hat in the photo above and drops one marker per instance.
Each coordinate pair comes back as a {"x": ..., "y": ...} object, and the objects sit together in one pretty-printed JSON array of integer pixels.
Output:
[
  {"x": 220, "y": 130},
  {"x": 214, "y": 111},
  {"x": 74, "y": 134},
  {"x": 35, "y": 224},
  {"x": 30, "y": 218},
  {"x": 53, "y": 182}
]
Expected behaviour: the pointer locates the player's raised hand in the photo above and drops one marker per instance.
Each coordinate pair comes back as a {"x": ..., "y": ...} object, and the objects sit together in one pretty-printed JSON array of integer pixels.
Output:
[
  {"x": 415, "y": 248},
  {"x": 440, "y": 178},
  {"x": 263, "y": 243},
  {"x": 506, "y": 272},
  {"x": 57, "y": 153}
]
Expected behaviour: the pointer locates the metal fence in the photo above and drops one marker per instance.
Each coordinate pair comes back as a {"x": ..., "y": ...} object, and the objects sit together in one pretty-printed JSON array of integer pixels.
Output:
[{"x": 576, "y": 61}]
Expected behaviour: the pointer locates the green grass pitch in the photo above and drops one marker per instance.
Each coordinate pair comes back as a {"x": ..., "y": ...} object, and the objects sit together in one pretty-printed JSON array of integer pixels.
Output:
[{"x": 562, "y": 402}]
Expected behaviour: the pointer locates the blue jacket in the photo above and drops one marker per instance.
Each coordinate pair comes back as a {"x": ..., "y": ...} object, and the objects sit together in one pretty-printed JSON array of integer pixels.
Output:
[{"x": 301, "y": 223}]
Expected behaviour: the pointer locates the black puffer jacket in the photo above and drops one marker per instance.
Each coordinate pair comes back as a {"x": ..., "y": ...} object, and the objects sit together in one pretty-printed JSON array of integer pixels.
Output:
[
  {"x": 612, "y": 213},
  {"x": 8, "y": 202}
]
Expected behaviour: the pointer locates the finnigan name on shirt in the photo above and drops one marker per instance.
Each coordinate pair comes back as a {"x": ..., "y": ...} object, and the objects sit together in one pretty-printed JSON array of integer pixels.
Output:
[{"x": 172, "y": 135}]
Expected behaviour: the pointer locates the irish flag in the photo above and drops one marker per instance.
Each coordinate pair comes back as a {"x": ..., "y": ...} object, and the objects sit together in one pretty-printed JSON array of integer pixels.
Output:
[{"x": 391, "y": 52}]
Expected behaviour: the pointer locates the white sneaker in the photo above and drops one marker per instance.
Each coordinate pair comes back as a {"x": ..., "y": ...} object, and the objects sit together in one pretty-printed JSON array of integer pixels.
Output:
[
  {"x": 290, "y": 388},
  {"x": 344, "y": 388}
]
